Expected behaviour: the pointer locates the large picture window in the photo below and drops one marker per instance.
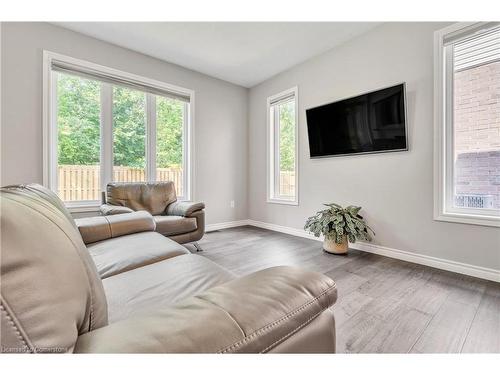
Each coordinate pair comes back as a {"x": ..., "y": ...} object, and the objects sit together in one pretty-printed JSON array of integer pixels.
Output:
[
  {"x": 468, "y": 123},
  {"x": 283, "y": 148},
  {"x": 102, "y": 125}
]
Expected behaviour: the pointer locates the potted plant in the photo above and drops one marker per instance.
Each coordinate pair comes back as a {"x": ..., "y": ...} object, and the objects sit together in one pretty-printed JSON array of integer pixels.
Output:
[{"x": 339, "y": 226}]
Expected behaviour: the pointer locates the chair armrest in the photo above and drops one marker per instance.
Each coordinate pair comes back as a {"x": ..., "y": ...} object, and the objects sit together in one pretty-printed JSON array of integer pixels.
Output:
[
  {"x": 251, "y": 314},
  {"x": 100, "y": 228},
  {"x": 184, "y": 208},
  {"x": 109, "y": 209}
]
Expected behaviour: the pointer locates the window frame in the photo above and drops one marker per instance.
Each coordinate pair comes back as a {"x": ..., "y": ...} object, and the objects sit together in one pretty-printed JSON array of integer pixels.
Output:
[
  {"x": 444, "y": 209},
  {"x": 50, "y": 131},
  {"x": 273, "y": 145}
]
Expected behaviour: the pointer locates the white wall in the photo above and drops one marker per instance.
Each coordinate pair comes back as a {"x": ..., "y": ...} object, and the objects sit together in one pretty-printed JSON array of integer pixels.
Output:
[
  {"x": 394, "y": 189},
  {"x": 220, "y": 126}
]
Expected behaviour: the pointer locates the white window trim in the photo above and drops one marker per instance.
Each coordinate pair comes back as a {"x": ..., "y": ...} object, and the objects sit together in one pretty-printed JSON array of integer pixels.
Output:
[
  {"x": 272, "y": 160},
  {"x": 443, "y": 137},
  {"x": 50, "y": 128}
]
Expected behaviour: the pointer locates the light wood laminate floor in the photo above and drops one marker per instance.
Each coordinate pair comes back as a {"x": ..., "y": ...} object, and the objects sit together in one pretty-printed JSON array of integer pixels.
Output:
[{"x": 384, "y": 305}]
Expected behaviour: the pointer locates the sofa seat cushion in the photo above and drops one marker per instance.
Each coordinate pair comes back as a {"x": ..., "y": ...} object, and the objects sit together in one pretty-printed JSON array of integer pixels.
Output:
[
  {"x": 161, "y": 284},
  {"x": 170, "y": 225},
  {"x": 120, "y": 254}
]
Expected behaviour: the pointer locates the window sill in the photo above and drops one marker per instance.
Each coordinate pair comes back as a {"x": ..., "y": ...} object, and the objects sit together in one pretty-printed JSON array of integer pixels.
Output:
[
  {"x": 462, "y": 218},
  {"x": 283, "y": 201},
  {"x": 74, "y": 208},
  {"x": 83, "y": 207}
]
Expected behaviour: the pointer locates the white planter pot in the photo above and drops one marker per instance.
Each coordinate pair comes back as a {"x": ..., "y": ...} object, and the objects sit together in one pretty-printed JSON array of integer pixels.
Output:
[{"x": 330, "y": 246}]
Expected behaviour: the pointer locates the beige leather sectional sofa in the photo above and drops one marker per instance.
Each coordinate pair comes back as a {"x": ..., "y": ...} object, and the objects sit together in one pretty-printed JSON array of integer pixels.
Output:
[{"x": 113, "y": 284}]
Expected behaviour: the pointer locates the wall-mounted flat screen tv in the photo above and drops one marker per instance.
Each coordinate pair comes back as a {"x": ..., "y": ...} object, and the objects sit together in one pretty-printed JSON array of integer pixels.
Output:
[{"x": 368, "y": 123}]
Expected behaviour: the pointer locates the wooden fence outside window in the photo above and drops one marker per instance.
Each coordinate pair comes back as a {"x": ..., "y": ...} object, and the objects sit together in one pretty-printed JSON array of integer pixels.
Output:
[{"x": 81, "y": 182}]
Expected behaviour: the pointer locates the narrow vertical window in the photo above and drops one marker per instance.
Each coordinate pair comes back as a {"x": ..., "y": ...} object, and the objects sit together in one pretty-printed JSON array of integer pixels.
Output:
[
  {"x": 282, "y": 148},
  {"x": 129, "y": 135},
  {"x": 78, "y": 138},
  {"x": 468, "y": 123},
  {"x": 170, "y": 124}
]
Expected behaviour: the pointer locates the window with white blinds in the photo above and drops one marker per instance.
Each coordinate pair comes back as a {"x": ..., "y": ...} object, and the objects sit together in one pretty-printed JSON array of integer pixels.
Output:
[
  {"x": 467, "y": 120},
  {"x": 103, "y": 125}
]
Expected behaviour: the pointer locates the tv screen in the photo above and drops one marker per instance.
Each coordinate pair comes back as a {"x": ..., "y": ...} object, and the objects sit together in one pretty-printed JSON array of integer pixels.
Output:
[{"x": 372, "y": 122}]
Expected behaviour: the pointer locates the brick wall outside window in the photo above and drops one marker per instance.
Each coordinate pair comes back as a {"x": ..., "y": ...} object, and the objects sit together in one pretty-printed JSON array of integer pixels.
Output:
[{"x": 477, "y": 131}]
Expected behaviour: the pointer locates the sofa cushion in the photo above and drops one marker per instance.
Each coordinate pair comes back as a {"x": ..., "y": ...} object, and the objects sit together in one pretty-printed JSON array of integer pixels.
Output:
[
  {"x": 184, "y": 208},
  {"x": 153, "y": 197},
  {"x": 47, "y": 195},
  {"x": 170, "y": 225},
  {"x": 153, "y": 287},
  {"x": 50, "y": 290},
  {"x": 125, "y": 253},
  {"x": 109, "y": 209},
  {"x": 99, "y": 228}
]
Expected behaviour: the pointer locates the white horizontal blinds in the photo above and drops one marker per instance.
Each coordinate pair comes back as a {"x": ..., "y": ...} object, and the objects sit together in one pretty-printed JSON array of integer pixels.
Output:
[
  {"x": 116, "y": 79},
  {"x": 482, "y": 47},
  {"x": 282, "y": 99},
  {"x": 469, "y": 32}
]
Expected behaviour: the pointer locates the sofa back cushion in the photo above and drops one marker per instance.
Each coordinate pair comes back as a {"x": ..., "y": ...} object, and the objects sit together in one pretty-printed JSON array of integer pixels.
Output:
[
  {"x": 47, "y": 195},
  {"x": 153, "y": 197},
  {"x": 50, "y": 289}
]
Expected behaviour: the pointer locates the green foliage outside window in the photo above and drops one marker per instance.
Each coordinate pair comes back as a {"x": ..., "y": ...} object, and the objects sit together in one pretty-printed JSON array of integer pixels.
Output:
[
  {"x": 78, "y": 118},
  {"x": 129, "y": 128},
  {"x": 169, "y": 126},
  {"x": 78, "y": 122},
  {"x": 287, "y": 136}
]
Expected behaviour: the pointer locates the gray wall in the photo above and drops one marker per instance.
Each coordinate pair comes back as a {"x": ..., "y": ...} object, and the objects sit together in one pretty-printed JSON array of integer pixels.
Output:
[
  {"x": 395, "y": 189},
  {"x": 220, "y": 126}
]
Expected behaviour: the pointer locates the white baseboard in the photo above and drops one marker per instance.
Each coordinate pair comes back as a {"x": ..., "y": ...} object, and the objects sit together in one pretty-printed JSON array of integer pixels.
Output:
[
  {"x": 448, "y": 265},
  {"x": 283, "y": 229},
  {"x": 228, "y": 224},
  {"x": 426, "y": 260}
]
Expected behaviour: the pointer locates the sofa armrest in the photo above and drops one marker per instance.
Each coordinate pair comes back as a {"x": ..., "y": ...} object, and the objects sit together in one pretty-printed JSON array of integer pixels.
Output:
[
  {"x": 109, "y": 209},
  {"x": 184, "y": 208},
  {"x": 251, "y": 314},
  {"x": 100, "y": 228}
]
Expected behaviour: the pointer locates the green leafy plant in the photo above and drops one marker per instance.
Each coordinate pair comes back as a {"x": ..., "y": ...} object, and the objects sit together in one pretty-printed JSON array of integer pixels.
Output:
[{"x": 336, "y": 223}]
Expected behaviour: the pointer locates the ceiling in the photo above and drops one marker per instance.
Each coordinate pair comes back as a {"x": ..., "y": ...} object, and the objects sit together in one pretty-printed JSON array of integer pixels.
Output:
[{"x": 244, "y": 53}]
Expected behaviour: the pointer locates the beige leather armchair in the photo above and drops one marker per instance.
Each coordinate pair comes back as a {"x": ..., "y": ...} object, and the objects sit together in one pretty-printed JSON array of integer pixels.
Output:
[
  {"x": 110, "y": 285},
  {"x": 181, "y": 221}
]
